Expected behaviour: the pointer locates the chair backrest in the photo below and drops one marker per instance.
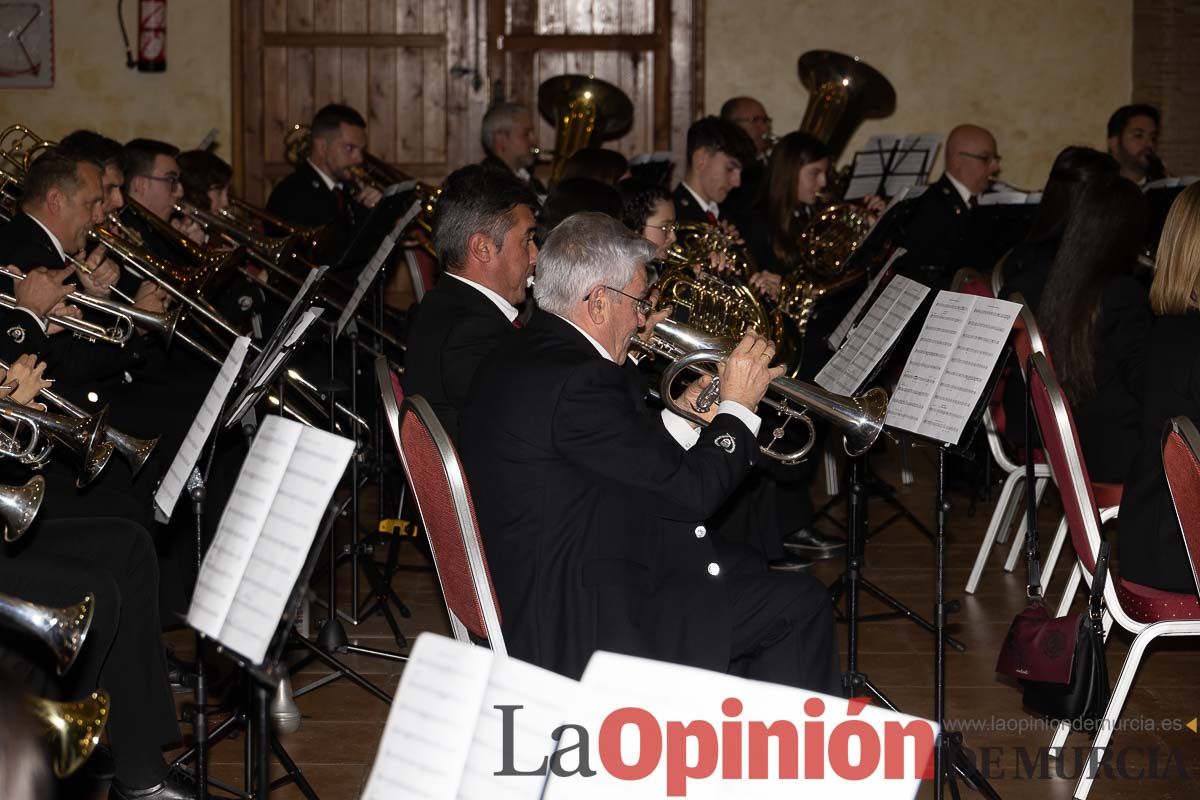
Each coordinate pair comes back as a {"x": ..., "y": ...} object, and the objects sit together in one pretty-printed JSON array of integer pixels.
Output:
[
  {"x": 422, "y": 269},
  {"x": 1181, "y": 465},
  {"x": 998, "y": 275},
  {"x": 1027, "y": 336},
  {"x": 447, "y": 512},
  {"x": 970, "y": 281},
  {"x": 1060, "y": 442}
]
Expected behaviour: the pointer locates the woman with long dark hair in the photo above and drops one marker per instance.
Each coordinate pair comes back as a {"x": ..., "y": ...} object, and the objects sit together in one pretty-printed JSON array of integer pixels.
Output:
[
  {"x": 1151, "y": 545},
  {"x": 1095, "y": 318}
]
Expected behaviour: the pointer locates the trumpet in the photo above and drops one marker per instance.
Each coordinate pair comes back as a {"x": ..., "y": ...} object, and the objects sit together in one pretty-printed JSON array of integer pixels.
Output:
[
  {"x": 83, "y": 438},
  {"x": 73, "y": 729},
  {"x": 60, "y": 629},
  {"x": 859, "y": 418},
  {"x": 134, "y": 450},
  {"x": 19, "y": 506}
]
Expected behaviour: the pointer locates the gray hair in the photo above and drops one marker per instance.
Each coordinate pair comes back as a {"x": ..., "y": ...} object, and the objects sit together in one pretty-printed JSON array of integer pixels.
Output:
[
  {"x": 499, "y": 119},
  {"x": 586, "y": 250}
]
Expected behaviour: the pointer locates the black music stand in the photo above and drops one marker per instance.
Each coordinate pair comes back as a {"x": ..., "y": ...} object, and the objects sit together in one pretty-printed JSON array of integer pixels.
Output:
[{"x": 891, "y": 168}]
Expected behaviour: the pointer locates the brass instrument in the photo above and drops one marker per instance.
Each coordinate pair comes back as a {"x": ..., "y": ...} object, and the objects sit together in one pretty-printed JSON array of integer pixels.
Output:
[
  {"x": 73, "y": 729},
  {"x": 859, "y": 418},
  {"x": 19, "y": 506},
  {"x": 196, "y": 267},
  {"x": 134, "y": 450},
  {"x": 843, "y": 91},
  {"x": 83, "y": 438},
  {"x": 584, "y": 111},
  {"x": 63, "y": 630}
]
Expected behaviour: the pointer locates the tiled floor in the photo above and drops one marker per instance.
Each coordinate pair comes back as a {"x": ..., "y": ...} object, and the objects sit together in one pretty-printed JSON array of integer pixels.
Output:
[{"x": 342, "y": 724}]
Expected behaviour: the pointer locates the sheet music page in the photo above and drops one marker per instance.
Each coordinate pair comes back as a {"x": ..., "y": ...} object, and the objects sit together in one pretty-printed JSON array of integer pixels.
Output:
[
  {"x": 949, "y": 367},
  {"x": 371, "y": 270},
  {"x": 1170, "y": 183},
  {"x": 289, "y": 317},
  {"x": 871, "y": 339},
  {"x": 906, "y": 159},
  {"x": 1009, "y": 198},
  {"x": 838, "y": 336},
  {"x": 670, "y": 692},
  {"x": 266, "y": 371},
  {"x": 240, "y": 526},
  {"x": 317, "y": 464},
  {"x": 193, "y": 444}
]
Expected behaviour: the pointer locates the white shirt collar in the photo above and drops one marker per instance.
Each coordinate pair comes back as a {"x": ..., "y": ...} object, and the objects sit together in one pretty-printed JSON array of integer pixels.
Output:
[
  {"x": 329, "y": 182},
  {"x": 599, "y": 347},
  {"x": 709, "y": 206},
  {"x": 506, "y": 308},
  {"x": 961, "y": 188},
  {"x": 62, "y": 254}
]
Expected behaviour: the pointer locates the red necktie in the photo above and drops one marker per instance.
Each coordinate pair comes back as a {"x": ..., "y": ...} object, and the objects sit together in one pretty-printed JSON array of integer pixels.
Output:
[
  {"x": 974, "y": 201},
  {"x": 516, "y": 323},
  {"x": 711, "y": 217}
]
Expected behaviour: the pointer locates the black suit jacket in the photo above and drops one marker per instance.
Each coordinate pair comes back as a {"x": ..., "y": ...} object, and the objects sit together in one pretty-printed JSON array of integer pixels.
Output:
[
  {"x": 302, "y": 198},
  {"x": 537, "y": 186},
  {"x": 450, "y": 332},
  {"x": 1151, "y": 544},
  {"x": 938, "y": 237},
  {"x": 686, "y": 207},
  {"x": 593, "y": 518}
]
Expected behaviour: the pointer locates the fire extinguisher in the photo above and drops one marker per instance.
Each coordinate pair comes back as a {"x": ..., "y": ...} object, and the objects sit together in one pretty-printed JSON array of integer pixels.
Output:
[{"x": 152, "y": 36}]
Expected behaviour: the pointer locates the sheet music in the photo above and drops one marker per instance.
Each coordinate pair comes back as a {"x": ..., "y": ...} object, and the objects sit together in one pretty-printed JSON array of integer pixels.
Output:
[
  {"x": 1173, "y": 182},
  {"x": 313, "y": 472},
  {"x": 870, "y": 340},
  {"x": 835, "y": 339},
  {"x": 905, "y": 159},
  {"x": 673, "y": 692},
  {"x": 443, "y": 738},
  {"x": 241, "y": 523},
  {"x": 1009, "y": 198},
  {"x": 193, "y": 444},
  {"x": 948, "y": 369},
  {"x": 266, "y": 371},
  {"x": 289, "y": 317},
  {"x": 371, "y": 270}
]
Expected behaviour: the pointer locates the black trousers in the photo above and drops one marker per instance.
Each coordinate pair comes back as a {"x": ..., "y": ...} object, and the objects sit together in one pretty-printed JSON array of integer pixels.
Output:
[
  {"x": 783, "y": 628},
  {"x": 56, "y": 563}
]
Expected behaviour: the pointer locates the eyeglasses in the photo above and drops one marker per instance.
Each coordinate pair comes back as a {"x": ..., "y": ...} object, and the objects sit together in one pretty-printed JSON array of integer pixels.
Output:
[
  {"x": 755, "y": 120},
  {"x": 985, "y": 157},
  {"x": 666, "y": 227},
  {"x": 644, "y": 307},
  {"x": 172, "y": 180}
]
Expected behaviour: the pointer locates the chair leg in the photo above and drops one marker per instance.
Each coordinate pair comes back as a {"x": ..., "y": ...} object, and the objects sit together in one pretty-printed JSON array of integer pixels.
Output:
[
  {"x": 1009, "y": 497},
  {"x": 1116, "y": 702},
  {"x": 906, "y": 469},
  {"x": 1064, "y": 605},
  {"x": 1060, "y": 537},
  {"x": 1016, "y": 552}
]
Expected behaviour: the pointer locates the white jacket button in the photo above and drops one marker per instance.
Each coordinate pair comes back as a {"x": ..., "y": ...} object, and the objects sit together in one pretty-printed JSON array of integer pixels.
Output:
[
  {"x": 701, "y": 531},
  {"x": 714, "y": 569}
]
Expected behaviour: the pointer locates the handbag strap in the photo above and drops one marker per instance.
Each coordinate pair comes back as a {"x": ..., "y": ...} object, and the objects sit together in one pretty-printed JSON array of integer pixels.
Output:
[
  {"x": 1033, "y": 565},
  {"x": 1099, "y": 577}
]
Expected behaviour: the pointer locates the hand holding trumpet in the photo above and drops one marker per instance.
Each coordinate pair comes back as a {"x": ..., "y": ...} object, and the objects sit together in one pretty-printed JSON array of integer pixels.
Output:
[
  {"x": 747, "y": 372},
  {"x": 101, "y": 273},
  {"x": 23, "y": 380},
  {"x": 42, "y": 289}
]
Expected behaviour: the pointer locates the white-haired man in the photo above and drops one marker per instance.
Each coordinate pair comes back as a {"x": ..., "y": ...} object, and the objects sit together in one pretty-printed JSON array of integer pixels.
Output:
[{"x": 594, "y": 518}]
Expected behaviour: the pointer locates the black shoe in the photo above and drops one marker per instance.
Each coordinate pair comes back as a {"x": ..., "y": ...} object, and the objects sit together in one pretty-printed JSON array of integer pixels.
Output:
[
  {"x": 181, "y": 674},
  {"x": 810, "y": 543},
  {"x": 178, "y": 786},
  {"x": 790, "y": 564},
  {"x": 100, "y": 765}
]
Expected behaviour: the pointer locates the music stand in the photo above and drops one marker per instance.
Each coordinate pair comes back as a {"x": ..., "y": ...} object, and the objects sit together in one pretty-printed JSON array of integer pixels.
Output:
[{"x": 891, "y": 164}]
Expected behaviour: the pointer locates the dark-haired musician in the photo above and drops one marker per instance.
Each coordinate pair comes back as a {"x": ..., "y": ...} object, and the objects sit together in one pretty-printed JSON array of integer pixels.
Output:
[
  {"x": 595, "y": 518},
  {"x": 484, "y": 233},
  {"x": 1133, "y": 142},
  {"x": 322, "y": 190},
  {"x": 716, "y": 152}
]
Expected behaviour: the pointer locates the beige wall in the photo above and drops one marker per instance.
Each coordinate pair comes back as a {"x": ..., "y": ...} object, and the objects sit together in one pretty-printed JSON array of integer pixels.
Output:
[
  {"x": 1041, "y": 75},
  {"x": 94, "y": 89}
]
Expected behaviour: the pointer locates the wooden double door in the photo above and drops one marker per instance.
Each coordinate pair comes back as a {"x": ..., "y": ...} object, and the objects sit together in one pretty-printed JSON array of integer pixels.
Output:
[{"x": 423, "y": 72}]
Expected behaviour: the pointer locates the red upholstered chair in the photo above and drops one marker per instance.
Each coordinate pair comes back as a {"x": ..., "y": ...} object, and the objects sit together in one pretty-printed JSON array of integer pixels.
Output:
[
  {"x": 1181, "y": 463},
  {"x": 422, "y": 268},
  {"x": 447, "y": 511},
  {"x": 1147, "y": 613},
  {"x": 1011, "y": 494}
]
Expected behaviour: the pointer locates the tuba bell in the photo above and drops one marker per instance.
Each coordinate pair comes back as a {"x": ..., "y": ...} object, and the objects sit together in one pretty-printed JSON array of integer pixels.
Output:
[
  {"x": 859, "y": 418},
  {"x": 73, "y": 729},
  {"x": 63, "y": 630},
  {"x": 584, "y": 111},
  {"x": 843, "y": 91}
]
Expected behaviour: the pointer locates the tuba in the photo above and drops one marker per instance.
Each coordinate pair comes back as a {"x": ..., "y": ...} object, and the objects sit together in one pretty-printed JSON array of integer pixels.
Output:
[
  {"x": 73, "y": 729},
  {"x": 859, "y": 418},
  {"x": 843, "y": 91},
  {"x": 63, "y": 630},
  {"x": 584, "y": 111}
]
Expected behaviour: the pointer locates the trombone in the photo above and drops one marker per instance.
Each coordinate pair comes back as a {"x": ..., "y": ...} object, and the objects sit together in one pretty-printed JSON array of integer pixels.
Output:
[{"x": 61, "y": 629}]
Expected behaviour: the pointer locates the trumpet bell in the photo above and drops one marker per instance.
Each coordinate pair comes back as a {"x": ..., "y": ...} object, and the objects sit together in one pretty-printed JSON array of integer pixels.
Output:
[
  {"x": 135, "y": 451},
  {"x": 19, "y": 506},
  {"x": 844, "y": 90},
  {"x": 63, "y": 630},
  {"x": 73, "y": 729}
]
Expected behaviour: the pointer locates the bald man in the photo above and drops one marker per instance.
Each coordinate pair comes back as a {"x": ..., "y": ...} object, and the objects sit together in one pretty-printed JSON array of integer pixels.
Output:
[
  {"x": 749, "y": 115},
  {"x": 940, "y": 238}
]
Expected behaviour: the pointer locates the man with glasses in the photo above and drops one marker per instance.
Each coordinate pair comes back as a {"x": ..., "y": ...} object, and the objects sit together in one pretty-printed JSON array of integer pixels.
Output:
[
  {"x": 749, "y": 115},
  {"x": 484, "y": 231},
  {"x": 595, "y": 517},
  {"x": 941, "y": 237}
]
